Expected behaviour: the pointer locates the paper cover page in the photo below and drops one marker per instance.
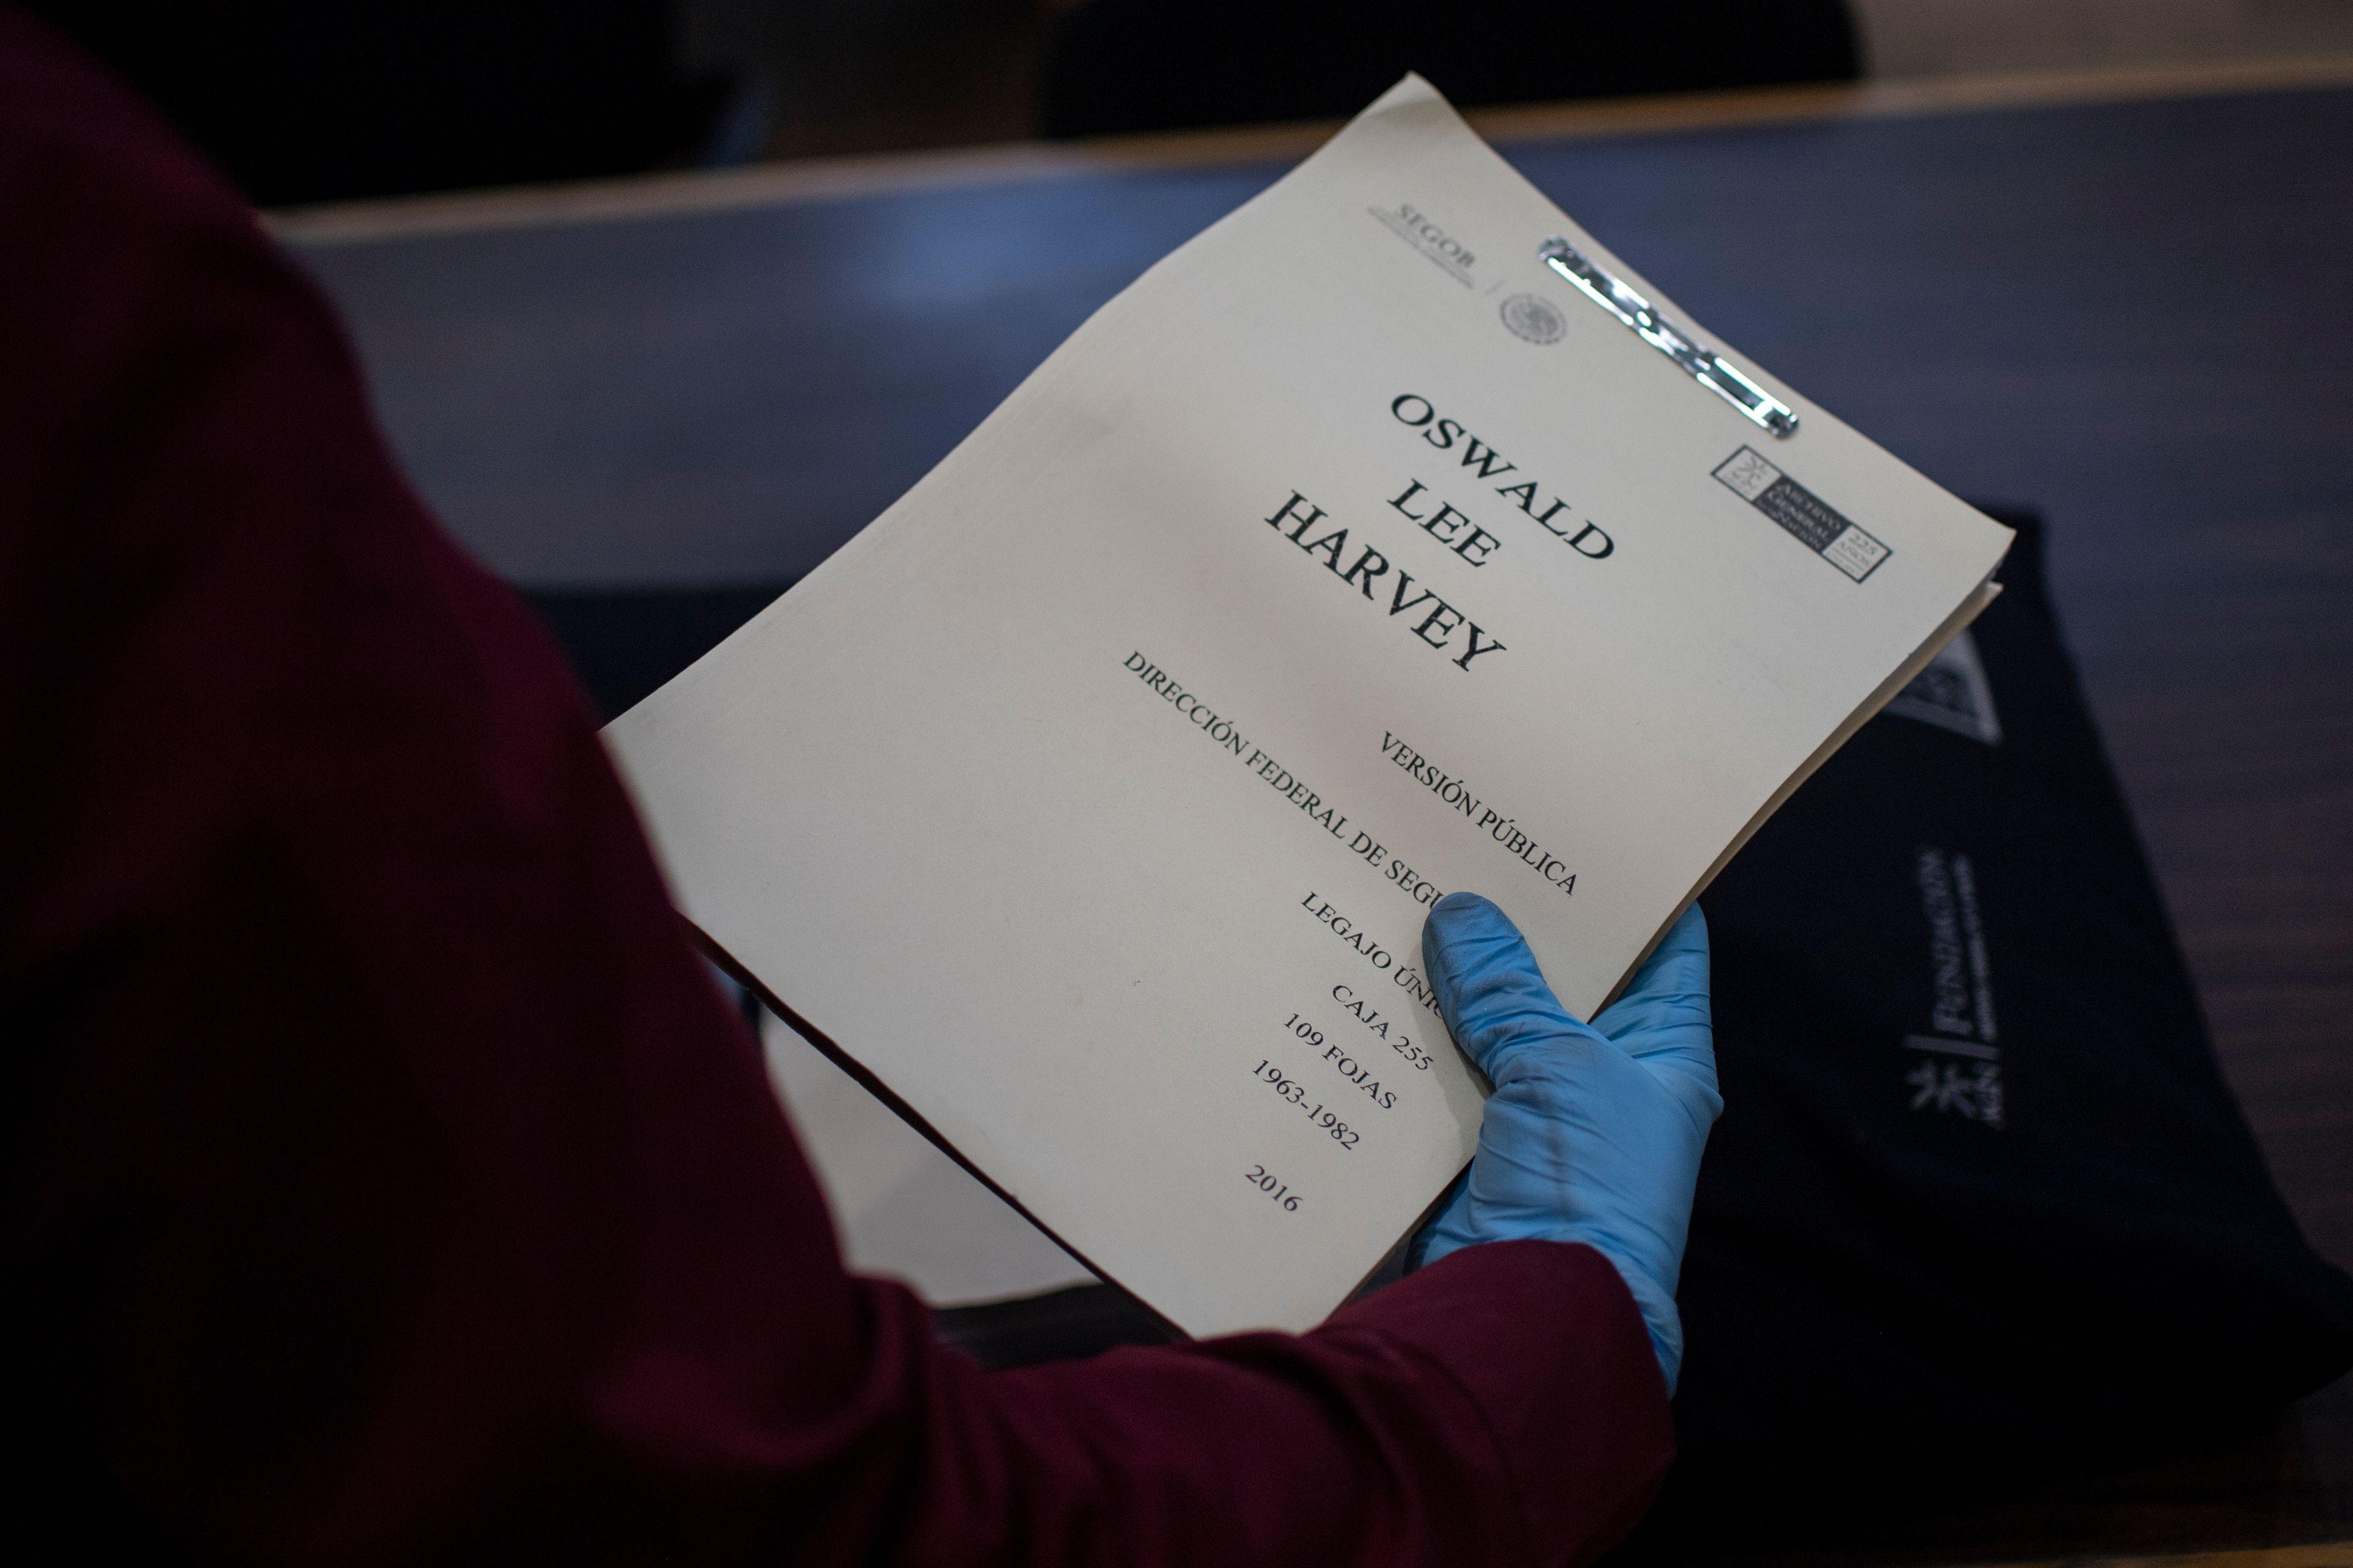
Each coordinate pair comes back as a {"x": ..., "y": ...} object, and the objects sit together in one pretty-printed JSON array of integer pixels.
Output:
[{"x": 1092, "y": 799}]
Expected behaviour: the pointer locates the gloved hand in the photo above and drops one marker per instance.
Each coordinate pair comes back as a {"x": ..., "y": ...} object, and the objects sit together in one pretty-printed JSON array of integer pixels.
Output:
[{"x": 1594, "y": 1132}]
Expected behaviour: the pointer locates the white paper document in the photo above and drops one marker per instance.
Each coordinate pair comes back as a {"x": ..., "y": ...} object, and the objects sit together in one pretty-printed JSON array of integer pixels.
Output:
[{"x": 1091, "y": 800}]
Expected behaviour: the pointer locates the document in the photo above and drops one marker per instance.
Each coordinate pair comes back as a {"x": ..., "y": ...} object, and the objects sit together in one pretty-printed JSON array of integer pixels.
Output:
[{"x": 1391, "y": 538}]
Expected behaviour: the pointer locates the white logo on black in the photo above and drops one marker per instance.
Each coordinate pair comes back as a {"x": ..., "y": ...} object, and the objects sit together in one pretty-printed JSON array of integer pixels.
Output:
[{"x": 1958, "y": 1070}]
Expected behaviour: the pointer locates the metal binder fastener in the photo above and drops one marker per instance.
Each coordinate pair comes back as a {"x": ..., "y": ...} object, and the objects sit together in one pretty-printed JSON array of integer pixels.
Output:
[{"x": 1705, "y": 366}]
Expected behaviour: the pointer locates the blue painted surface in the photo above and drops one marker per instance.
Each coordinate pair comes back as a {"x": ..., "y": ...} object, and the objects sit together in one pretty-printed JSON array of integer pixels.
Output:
[{"x": 2069, "y": 305}]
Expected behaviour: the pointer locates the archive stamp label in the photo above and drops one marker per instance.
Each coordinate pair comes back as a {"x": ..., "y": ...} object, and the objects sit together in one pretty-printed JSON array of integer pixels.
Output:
[{"x": 1816, "y": 524}]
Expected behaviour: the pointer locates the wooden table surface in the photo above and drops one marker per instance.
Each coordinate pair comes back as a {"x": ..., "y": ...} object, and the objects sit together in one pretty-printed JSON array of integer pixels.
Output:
[{"x": 2128, "y": 302}]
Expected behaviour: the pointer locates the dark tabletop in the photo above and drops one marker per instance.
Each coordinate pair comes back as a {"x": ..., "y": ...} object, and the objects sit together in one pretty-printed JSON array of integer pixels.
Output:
[{"x": 2134, "y": 316}]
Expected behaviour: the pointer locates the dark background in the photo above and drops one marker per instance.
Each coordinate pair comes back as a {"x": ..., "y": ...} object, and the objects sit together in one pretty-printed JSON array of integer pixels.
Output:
[
  {"x": 2068, "y": 321},
  {"x": 304, "y": 102}
]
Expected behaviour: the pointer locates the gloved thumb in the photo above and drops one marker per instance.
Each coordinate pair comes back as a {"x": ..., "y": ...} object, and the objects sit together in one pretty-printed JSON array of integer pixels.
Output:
[
  {"x": 1663, "y": 1019},
  {"x": 1488, "y": 988}
]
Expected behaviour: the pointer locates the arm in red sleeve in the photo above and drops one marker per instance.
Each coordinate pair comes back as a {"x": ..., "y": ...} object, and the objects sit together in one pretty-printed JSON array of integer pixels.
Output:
[{"x": 386, "y": 1180}]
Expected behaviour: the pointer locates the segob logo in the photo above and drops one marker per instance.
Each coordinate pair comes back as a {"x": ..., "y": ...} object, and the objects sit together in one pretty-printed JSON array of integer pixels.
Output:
[
  {"x": 1536, "y": 319},
  {"x": 1410, "y": 224}
]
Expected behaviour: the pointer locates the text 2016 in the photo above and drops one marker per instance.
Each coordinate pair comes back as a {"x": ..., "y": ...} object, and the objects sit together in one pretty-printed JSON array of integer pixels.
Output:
[{"x": 1256, "y": 1177}]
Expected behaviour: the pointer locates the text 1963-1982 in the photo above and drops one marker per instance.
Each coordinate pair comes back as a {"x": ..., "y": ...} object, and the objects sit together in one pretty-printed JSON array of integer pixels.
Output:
[{"x": 1292, "y": 1090}]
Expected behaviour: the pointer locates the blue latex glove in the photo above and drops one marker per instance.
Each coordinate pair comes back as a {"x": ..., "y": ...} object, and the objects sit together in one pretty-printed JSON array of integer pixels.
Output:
[{"x": 1594, "y": 1131}]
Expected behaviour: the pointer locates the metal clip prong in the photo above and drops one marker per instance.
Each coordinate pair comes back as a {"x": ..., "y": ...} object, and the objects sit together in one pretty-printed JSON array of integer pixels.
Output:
[{"x": 1709, "y": 369}]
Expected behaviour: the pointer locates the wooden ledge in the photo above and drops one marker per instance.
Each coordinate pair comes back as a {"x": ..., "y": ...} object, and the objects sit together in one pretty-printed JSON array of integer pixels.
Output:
[{"x": 770, "y": 184}]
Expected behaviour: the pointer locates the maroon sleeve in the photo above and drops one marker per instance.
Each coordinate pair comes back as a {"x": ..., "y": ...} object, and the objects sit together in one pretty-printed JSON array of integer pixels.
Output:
[{"x": 385, "y": 1181}]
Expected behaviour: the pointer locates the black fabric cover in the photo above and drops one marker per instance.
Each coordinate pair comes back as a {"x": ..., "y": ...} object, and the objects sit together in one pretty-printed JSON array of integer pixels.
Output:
[
  {"x": 1927, "y": 1253},
  {"x": 1981, "y": 1204}
]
